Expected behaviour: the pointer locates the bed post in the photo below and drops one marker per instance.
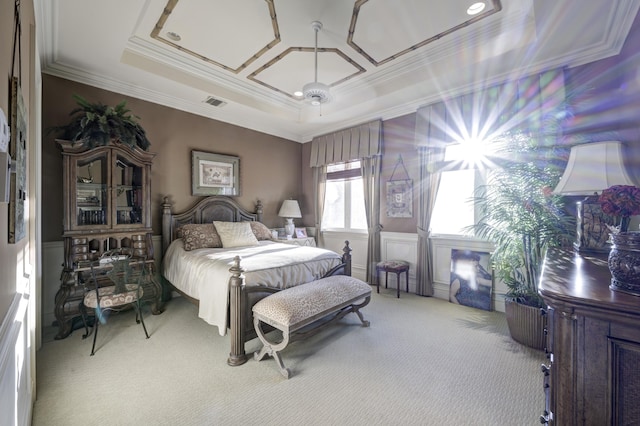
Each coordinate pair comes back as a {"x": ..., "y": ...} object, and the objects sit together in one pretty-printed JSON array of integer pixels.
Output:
[
  {"x": 259, "y": 210},
  {"x": 346, "y": 258},
  {"x": 237, "y": 355},
  {"x": 166, "y": 224}
]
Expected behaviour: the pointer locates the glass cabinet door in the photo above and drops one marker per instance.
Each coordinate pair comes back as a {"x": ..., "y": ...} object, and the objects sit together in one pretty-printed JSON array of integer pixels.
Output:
[
  {"x": 129, "y": 191},
  {"x": 91, "y": 191}
]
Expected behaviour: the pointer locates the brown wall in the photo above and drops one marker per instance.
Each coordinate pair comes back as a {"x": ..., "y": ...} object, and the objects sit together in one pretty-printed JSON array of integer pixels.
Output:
[
  {"x": 270, "y": 167},
  {"x": 605, "y": 94},
  {"x": 13, "y": 256}
]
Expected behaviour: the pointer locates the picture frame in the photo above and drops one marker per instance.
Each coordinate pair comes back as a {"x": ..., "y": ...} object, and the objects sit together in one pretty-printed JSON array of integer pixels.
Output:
[
  {"x": 471, "y": 280},
  {"x": 400, "y": 198},
  {"x": 214, "y": 174},
  {"x": 301, "y": 233}
]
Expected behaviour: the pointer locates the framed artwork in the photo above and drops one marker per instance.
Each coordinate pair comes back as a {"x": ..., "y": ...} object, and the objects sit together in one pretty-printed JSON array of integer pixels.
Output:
[
  {"x": 301, "y": 233},
  {"x": 18, "y": 152},
  {"x": 214, "y": 174},
  {"x": 471, "y": 282},
  {"x": 400, "y": 198}
]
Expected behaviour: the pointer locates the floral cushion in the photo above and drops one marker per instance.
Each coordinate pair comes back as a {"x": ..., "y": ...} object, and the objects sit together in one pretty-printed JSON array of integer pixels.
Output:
[
  {"x": 261, "y": 231},
  {"x": 109, "y": 299},
  {"x": 235, "y": 234},
  {"x": 197, "y": 236}
]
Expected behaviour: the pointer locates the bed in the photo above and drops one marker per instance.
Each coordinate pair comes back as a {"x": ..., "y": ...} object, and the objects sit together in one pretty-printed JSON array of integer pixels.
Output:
[{"x": 226, "y": 282}]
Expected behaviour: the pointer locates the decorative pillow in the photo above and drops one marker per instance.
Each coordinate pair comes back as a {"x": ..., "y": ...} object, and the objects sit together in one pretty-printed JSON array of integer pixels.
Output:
[
  {"x": 261, "y": 231},
  {"x": 235, "y": 234},
  {"x": 200, "y": 235}
]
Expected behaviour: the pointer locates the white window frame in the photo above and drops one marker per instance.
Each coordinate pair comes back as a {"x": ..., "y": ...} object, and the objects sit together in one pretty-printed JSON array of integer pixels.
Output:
[{"x": 349, "y": 177}]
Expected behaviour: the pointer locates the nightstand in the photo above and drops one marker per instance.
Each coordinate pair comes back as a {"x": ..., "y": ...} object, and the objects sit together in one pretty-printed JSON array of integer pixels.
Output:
[{"x": 306, "y": 242}]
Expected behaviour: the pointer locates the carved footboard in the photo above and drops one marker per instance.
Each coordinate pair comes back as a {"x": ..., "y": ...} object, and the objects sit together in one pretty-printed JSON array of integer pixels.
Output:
[{"x": 242, "y": 299}]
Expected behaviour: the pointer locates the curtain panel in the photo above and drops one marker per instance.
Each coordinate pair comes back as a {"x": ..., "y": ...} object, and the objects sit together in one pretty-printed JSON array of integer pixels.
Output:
[{"x": 520, "y": 105}]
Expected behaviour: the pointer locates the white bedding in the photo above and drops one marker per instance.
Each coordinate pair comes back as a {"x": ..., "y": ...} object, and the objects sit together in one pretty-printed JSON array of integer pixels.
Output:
[{"x": 204, "y": 273}]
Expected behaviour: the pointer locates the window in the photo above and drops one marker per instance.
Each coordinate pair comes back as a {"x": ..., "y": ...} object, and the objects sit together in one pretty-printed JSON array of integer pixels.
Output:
[
  {"x": 454, "y": 209},
  {"x": 344, "y": 198}
]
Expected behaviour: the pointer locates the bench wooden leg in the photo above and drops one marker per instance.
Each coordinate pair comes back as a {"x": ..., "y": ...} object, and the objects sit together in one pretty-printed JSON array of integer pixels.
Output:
[{"x": 271, "y": 349}]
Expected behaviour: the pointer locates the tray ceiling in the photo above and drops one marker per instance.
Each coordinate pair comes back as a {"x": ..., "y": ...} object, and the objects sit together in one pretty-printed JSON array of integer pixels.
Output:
[{"x": 381, "y": 58}]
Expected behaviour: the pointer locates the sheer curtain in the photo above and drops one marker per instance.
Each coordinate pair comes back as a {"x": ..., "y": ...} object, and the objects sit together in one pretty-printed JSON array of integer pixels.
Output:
[
  {"x": 364, "y": 143},
  {"x": 519, "y": 105}
]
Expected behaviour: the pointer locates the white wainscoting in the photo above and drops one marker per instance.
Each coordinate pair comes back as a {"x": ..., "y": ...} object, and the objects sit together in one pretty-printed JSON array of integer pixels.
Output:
[
  {"x": 359, "y": 245},
  {"x": 15, "y": 364},
  {"x": 52, "y": 260},
  {"x": 400, "y": 245}
]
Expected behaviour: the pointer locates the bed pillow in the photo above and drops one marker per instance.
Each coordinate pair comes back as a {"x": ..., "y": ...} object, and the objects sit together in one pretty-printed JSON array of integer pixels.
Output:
[
  {"x": 235, "y": 234},
  {"x": 200, "y": 235},
  {"x": 261, "y": 231}
]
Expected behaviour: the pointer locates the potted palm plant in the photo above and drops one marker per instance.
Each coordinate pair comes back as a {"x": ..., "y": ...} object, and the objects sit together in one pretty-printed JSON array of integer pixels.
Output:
[
  {"x": 96, "y": 124},
  {"x": 521, "y": 216}
]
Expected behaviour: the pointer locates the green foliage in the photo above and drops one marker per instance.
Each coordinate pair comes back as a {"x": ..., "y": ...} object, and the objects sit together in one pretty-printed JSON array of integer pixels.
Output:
[
  {"x": 97, "y": 124},
  {"x": 520, "y": 215}
]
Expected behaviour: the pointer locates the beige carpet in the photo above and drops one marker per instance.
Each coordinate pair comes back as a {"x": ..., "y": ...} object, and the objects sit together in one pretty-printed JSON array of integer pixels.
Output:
[{"x": 423, "y": 361}]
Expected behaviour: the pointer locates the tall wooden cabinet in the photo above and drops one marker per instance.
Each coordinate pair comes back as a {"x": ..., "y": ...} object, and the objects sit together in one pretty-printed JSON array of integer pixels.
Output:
[
  {"x": 593, "y": 344},
  {"x": 107, "y": 205}
]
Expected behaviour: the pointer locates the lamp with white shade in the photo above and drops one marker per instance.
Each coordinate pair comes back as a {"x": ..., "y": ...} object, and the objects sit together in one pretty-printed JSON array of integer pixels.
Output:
[
  {"x": 290, "y": 210},
  {"x": 592, "y": 168}
]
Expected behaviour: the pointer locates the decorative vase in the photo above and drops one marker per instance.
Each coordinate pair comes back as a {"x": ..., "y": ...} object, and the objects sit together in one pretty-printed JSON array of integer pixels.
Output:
[
  {"x": 624, "y": 262},
  {"x": 526, "y": 324}
]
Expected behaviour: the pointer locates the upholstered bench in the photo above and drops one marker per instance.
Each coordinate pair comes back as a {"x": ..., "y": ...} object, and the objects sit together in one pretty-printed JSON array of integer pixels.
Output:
[{"x": 313, "y": 304}]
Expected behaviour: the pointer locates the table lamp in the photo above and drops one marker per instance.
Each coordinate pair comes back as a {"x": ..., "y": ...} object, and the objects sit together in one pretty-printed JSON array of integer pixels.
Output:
[
  {"x": 592, "y": 168},
  {"x": 290, "y": 209}
]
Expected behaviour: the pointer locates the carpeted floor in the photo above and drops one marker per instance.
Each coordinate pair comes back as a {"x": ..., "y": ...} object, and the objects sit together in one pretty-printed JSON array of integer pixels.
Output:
[{"x": 423, "y": 361}]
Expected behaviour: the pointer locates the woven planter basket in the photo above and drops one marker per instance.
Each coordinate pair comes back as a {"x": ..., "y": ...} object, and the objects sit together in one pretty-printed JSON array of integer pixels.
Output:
[{"x": 526, "y": 324}]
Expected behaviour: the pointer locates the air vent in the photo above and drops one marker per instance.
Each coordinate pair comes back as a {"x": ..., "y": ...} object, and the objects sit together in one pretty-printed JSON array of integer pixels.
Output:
[{"x": 215, "y": 102}]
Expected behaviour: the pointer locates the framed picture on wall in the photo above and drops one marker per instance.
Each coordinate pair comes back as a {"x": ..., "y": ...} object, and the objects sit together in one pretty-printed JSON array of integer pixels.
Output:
[
  {"x": 214, "y": 174},
  {"x": 400, "y": 198}
]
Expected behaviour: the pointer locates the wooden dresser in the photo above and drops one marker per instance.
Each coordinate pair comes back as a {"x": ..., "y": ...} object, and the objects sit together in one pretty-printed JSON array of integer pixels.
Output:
[{"x": 593, "y": 344}]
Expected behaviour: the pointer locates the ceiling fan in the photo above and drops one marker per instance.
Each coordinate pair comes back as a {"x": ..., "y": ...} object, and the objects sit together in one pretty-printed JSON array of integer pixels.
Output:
[{"x": 317, "y": 93}]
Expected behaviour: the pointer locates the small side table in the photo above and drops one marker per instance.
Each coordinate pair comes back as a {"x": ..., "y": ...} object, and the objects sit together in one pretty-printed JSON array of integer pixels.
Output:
[
  {"x": 305, "y": 242},
  {"x": 396, "y": 266}
]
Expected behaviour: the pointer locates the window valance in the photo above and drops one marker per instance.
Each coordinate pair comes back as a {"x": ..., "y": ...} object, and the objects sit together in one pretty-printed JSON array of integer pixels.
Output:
[{"x": 358, "y": 142}]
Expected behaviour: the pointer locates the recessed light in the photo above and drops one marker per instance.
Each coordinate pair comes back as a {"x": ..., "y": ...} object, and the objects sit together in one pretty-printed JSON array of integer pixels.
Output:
[
  {"x": 173, "y": 36},
  {"x": 476, "y": 8},
  {"x": 298, "y": 93}
]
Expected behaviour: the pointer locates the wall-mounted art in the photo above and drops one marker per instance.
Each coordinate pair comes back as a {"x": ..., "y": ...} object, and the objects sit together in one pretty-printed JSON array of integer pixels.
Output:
[
  {"x": 214, "y": 174},
  {"x": 399, "y": 193},
  {"x": 471, "y": 282},
  {"x": 18, "y": 152}
]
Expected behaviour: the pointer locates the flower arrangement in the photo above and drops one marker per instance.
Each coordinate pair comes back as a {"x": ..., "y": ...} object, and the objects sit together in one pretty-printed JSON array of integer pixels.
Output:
[{"x": 621, "y": 201}]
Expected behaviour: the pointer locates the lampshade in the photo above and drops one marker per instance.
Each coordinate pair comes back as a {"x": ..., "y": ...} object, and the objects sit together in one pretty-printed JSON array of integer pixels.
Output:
[
  {"x": 593, "y": 167},
  {"x": 290, "y": 208}
]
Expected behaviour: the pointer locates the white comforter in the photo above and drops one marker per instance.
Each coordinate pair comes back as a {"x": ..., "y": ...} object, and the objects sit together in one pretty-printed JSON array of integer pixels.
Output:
[{"x": 204, "y": 273}]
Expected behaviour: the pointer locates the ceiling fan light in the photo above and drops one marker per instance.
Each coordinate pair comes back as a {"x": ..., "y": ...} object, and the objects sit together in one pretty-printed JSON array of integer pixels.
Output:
[{"x": 317, "y": 93}]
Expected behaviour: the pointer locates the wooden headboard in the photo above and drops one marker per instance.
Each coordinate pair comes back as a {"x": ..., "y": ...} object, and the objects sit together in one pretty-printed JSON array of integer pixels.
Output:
[{"x": 216, "y": 207}]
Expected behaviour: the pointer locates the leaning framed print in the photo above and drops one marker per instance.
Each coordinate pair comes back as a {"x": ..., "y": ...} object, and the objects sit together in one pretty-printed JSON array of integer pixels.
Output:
[{"x": 214, "y": 174}]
